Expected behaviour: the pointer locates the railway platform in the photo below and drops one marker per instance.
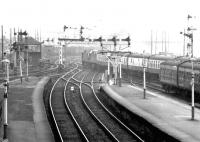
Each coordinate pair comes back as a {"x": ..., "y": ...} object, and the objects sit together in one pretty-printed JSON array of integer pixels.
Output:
[
  {"x": 168, "y": 115},
  {"x": 27, "y": 121}
]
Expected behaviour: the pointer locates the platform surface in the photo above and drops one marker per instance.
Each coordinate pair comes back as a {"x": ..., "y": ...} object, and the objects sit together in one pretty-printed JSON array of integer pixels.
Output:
[
  {"x": 171, "y": 116},
  {"x": 27, "y": 121}
]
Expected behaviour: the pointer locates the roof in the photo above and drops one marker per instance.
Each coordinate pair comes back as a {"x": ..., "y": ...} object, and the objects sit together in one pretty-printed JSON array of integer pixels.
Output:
[
  {"x": 153, "y": 57},
  {"x": 184, "y": 62},
  {"x": 29, "y": 41}
]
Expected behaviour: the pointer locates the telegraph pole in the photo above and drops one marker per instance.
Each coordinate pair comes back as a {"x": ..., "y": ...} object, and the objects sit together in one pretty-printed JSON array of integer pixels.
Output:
[
  {"x": 151, "y": 42},
  {"x": 166, "y": 43},
  {"x": 184, "y": 44},
  {"x": 20, "y": 44},
  {"x": 2, "y": 45},
  {"x": 156, "y": 43}
]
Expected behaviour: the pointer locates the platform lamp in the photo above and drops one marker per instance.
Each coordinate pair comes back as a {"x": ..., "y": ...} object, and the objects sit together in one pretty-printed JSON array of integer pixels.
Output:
[
  {"x": 144, "y": 75},
  {"x": 6, "y": 84},
  {"x": 192, "y": 60},
  {"x": 26, "y": 48},
  {"x": 108, "y": 76},
  {"x": 192, "y": 84},
  {"x": 192, "y": 81}
]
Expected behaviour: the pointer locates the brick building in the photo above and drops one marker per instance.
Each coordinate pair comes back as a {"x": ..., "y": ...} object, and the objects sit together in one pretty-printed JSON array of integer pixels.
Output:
[{"x": 28, "y": 47}]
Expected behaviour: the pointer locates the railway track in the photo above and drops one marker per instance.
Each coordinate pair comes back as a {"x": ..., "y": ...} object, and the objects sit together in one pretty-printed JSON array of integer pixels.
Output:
[
  {"x": 117, "y": 127},
  {"x": 78, "y": 116},
  {"x": 65, "y": 127},
  {"x": 51, "y": 71},
  {"x": 90, "y": 125},
  {"x": 35, "y": 72},
  {"x": 118, "y": 130}
]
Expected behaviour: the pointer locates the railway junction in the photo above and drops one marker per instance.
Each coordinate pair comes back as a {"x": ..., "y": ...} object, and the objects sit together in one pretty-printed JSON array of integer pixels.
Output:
[
  {"x": 98, "y": 96},
  {"x": 155, "y": 118}
]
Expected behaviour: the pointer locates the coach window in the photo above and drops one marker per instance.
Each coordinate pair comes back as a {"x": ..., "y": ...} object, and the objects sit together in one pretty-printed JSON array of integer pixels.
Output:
[
  {"x": 164, "y": 73},
  {"x": 188, "y": 76},
  {"x": 156, "y": 64},
  {"x": 161, "y": 72},
  {"x": 181, "y": 75},
  {"x": 167, "y": 74},
  {"x": 150, "y": 63},
  {"x": 196, "y": 78}
]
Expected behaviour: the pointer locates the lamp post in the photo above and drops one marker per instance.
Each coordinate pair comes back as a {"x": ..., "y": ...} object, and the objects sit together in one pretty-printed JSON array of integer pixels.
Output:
[
  {"x": 191, "y": 37},
  {"x": 6, "y": 84},
  {"x": 192, "y": 83},
  {"x": 192, "y": 60},
  {"x": 2, "y": 44},
  {"x": 120, "y": 74},
  {"x": 144, "y": 77},
  {"x": 108, "y": 76},
  {"x": 26, "y": 47},
  {"x": 20, "y": 66}
]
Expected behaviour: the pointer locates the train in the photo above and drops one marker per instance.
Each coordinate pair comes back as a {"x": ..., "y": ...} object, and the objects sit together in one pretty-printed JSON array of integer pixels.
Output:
[
  {"x": 172, "y": 72},
  {"x": 177, "y": 75}
]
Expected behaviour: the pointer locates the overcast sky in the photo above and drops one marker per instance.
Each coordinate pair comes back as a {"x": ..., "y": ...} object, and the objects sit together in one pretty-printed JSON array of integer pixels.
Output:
[{"x": 136, "y": 18}]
